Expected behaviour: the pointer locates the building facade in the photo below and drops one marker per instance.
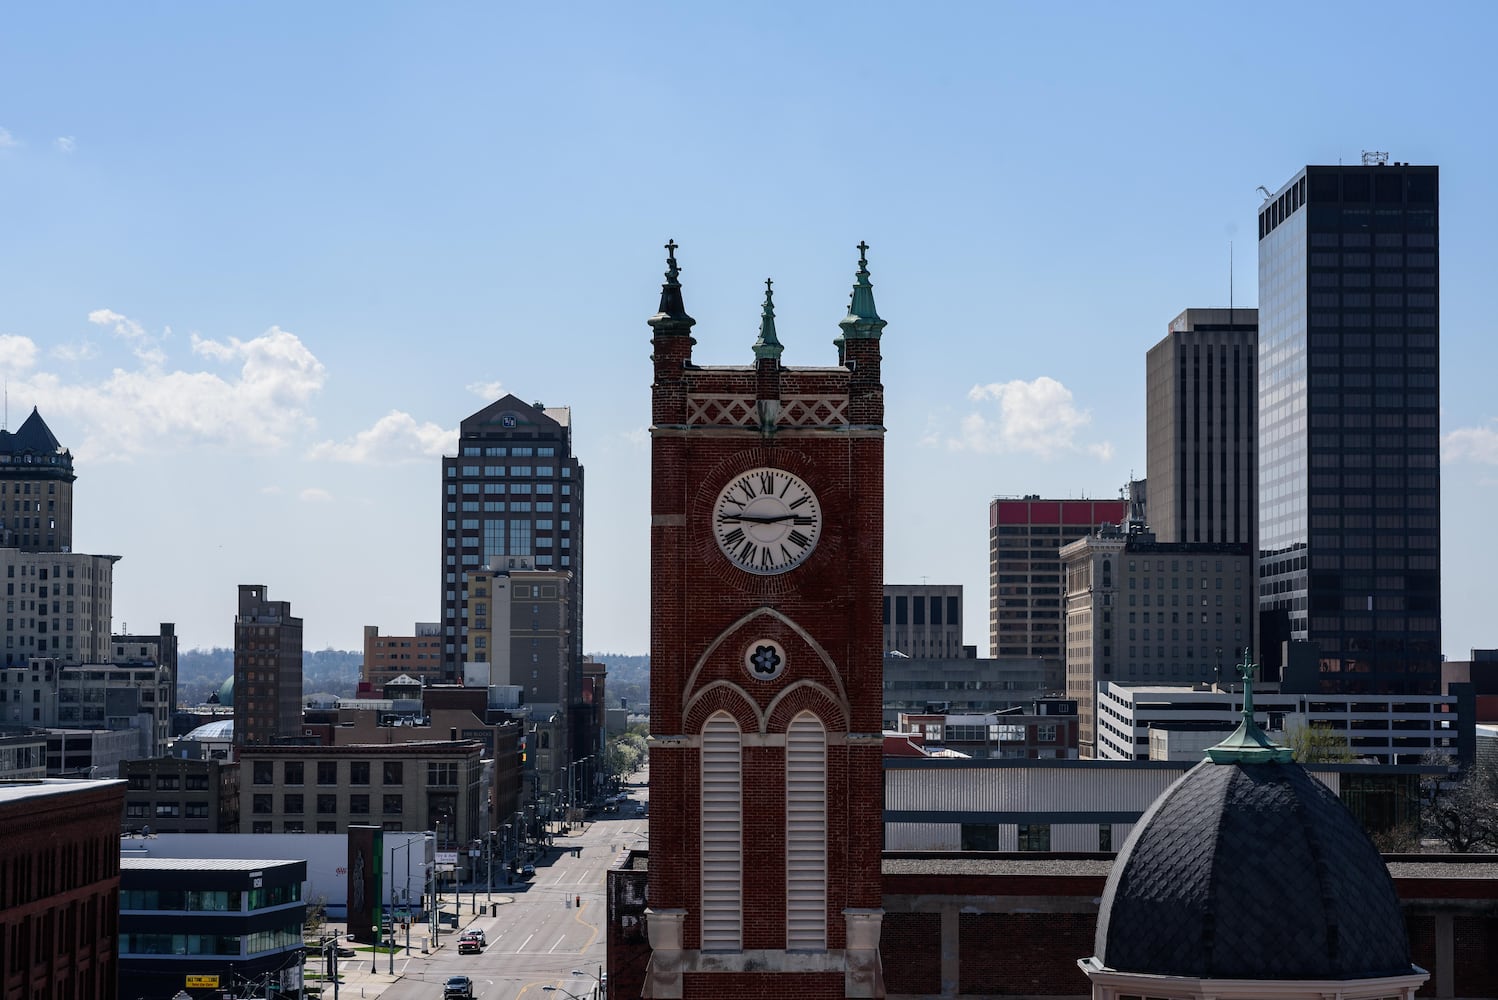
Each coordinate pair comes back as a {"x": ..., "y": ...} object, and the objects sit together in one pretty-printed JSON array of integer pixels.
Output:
[
  {"x": 1384, "y": 729},
  {"x": 58, "y": 605},
  {"x": 766, "y": 543},
  {"x": 267, "y": 669},
  {"x": 387, "y": 657},
  {"x": 180, "y": 795},
  {"x": 1202, "y": 416},
  {"x": 60, "y": 888},
  {"x": 36, "y": 489},
  {"x": 923, "y": 620},
  {"x": 232, "y": 926},
  {"x": 1349, "y": 417},
  {"x": 968, "y": 685},
  {"x": 1025, "y": 535},
  {"x": 512, "y": 498},
  {"x": 1140, "y": 611},
  {"x": 399, "y": 786}
]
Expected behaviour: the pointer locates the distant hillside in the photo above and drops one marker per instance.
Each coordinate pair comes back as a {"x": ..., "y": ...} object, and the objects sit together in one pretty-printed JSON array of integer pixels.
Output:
[
  {"x": 629, "y": 678},
  {"x": 200, "y": 672}
]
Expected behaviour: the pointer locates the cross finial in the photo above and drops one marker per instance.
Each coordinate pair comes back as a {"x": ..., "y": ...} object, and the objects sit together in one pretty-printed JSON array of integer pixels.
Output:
[
  {"x": 671, "y": 246},
  {"x": 863, "y": 252},
  {"x": 768, "y": 285}
]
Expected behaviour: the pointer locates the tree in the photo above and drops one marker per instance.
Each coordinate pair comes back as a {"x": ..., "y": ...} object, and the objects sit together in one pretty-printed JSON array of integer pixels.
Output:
[
  {"x": 1464, "y": 813},
  {"x": 1319, "y": 743}
]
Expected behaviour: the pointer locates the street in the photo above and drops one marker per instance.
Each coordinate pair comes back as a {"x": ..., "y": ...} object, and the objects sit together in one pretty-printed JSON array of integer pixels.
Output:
[{"x": 540, "y": 934}]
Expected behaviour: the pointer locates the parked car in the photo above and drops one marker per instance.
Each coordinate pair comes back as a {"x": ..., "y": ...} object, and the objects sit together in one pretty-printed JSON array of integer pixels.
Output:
[
  {"x": 458, "y": 988},
  {"x": 527, "y": 871}
]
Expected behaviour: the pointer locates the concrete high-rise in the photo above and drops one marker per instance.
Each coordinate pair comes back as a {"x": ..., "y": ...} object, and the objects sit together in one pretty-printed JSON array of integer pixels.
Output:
[
  {"x": 512, "y": 498},
  {"x": 1202, "y": 406},
  {"x": 267, "y": 669},
  {"x": 36, "y": 489},
  {"x": 1026, "y": 606},
  {"x": 1349, "y": 418},
  {"x": 923, "y": 619}
]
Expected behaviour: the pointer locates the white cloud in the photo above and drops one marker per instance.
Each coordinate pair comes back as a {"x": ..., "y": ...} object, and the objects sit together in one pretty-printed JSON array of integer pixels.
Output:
[
  {"x": 17, "y": 353},
  {"x": 1038, "y": 417},
  {"x": 81, "y": 351},
  {"x": 1472, "y": 444},
  {"x": 150, "y": 409},
  {"x": 315, "y": 495},
  {"x": 144, "y": 345},
  {"x": 395, "y": 438},
  {"x": 65, "y": 143},
  {"x": 487, "y": 390},
  {"x": 7, "y": 141},
  {"x": 639, "y": 438}
]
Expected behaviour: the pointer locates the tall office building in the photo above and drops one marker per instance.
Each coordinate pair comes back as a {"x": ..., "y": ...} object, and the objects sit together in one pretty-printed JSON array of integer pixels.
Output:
[
  {"x": 267, "y": 669},
  {"x": 1202, "y": 405},
  {"x": 36, "y": 489},
  {"x": 1349, "y": 425},
  {"x": 1025, "y": 596},
  {"x": 512, "y": 498}
]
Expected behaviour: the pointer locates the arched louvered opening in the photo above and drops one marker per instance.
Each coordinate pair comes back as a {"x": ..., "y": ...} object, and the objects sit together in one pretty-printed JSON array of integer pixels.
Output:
[
  {"x": 806, "y": 833},
  {"x": 722, "y": 835}
]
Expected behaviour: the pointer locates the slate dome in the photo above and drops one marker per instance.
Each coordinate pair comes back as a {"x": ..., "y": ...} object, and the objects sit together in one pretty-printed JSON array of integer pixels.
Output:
[{"x": 1251, "y": 871}]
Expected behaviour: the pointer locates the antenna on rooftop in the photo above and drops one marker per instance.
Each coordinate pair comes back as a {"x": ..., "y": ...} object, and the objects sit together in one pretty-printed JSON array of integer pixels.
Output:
[
  {"x": 1230, "y": 283},
  {"x": 1371, "y": 159}
]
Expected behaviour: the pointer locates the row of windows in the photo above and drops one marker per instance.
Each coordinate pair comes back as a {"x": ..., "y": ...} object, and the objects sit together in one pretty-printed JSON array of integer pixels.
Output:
[
  {"x": 327, "y": 805},
  {"x": 498, "y": 451}
]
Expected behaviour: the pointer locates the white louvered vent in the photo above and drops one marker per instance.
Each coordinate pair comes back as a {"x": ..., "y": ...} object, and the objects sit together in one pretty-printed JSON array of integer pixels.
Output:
[
  {"x": 806, "y": 834},
  {"x": 722, "y": 836}
]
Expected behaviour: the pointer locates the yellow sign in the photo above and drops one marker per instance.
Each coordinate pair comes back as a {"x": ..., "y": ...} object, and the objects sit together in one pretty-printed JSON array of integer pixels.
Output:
[{"x": 202, "y": 982}]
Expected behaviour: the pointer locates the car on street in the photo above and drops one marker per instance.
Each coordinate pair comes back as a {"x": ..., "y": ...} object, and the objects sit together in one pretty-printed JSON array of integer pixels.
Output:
[
  {"x": 457, "y": 988},
  {"x": 527, "y": 871},
  {"x": 468, "y": 944},
  {"x": 639, "y": 808}
]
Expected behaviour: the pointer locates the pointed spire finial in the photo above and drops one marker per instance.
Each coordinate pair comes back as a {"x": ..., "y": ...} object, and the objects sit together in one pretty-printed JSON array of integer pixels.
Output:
[
  {"x": 768, "y": 345},
  {"x": 862, "y": 321},
  {"x": 1249, "y": 744},
  {"x": 672, "y": 316}
]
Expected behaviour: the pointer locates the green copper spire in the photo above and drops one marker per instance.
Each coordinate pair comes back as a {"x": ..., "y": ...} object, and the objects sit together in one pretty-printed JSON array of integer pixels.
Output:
[
  {"x": 862, "y": 321},
  {"x": 672, "y": 317},
  {"x": 767, "y": 346},
  {"x": 1249, "y": 744}
]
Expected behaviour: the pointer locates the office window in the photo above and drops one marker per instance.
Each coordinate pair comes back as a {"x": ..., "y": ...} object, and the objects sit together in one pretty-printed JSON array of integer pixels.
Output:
[
  {"x": 327, "y": 772},
  {"x": 327, "y": 804},
  {"x": 358, "y": 805},
  {"x": 393, "y": 805},
  {"x": 293, "y": 772},
  {"x": 393, "y": 773},
  {"x": 291, "y": 804},
  {"x": 358, "y": 772},
  {"x": 264, "y": 772}
]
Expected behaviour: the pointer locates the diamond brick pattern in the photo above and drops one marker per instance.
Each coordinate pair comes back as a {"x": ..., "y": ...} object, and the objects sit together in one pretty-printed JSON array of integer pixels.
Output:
[{"x": 1251, "y": 871}]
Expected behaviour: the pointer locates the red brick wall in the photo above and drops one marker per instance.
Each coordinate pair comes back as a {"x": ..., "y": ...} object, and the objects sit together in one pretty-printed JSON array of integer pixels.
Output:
[
  {"x": 910, "y": 948},
  {"x": 1024, "y": 954},
  {"x": 834, "y": 597},
  {"x": 763, "y": 986}
]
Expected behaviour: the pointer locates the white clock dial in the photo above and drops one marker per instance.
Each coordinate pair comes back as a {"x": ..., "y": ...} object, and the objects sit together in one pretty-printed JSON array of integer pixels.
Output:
[{"x": 767, "y": 521}]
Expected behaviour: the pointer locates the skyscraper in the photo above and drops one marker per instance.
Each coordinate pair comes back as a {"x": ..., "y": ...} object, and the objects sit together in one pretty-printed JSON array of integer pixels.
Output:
[
  {"x": 1202, "y": 404},
  {"x": 512, "y": 498},
  {"x": 1349, "y": 425},
  {"x": 1026, "y": 602}
]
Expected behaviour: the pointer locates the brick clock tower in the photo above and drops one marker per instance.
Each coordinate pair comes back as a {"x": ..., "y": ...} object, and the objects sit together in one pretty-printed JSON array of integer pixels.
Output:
[{"x": 767, "y": 567}]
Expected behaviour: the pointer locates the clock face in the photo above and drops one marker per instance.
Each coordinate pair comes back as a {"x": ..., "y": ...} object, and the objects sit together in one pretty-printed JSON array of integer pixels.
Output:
[{"x": 767, "y": 521}]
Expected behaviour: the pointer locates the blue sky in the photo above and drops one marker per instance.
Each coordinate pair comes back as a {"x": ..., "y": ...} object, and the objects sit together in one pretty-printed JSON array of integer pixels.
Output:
[{"x": 258, "y": 261}]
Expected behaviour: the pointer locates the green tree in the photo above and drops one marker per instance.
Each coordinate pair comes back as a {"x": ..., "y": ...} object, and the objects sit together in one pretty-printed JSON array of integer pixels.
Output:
[{"x": 1319, "y": 743}]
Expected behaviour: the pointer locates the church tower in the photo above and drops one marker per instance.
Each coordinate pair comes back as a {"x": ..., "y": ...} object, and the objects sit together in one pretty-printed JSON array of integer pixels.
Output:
[{"x": 767, "y": 566}]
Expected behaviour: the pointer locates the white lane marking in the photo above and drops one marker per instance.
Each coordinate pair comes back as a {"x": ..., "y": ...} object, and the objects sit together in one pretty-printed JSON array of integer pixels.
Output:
[
  {"x": 555, "y": 946},
  {"x": 523, "y": 944}
]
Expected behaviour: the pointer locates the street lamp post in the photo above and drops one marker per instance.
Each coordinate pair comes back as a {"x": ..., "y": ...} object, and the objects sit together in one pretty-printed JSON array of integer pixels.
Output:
[
  {"x": 597, "y": 981},
  {"x": 489, "y": 868}
]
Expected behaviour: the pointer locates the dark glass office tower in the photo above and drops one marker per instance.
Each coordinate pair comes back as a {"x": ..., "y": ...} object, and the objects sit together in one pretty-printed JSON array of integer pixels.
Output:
[{"x": 1349, "y": 426}]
